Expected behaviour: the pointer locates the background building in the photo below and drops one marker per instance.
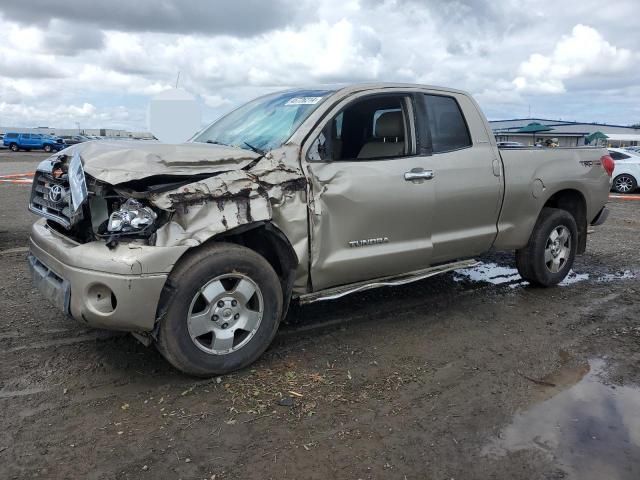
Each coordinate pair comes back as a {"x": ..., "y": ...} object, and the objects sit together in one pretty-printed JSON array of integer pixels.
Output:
[{"x": 568, "y": 133}]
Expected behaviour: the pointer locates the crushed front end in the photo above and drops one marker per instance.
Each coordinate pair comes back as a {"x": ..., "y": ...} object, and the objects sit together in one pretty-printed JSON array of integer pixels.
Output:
[
  {"x": 117, "y": 218},
  {"x": 91, "y": 254}
]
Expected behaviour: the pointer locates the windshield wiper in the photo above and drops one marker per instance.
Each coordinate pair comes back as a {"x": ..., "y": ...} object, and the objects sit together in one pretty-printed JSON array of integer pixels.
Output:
[
  {"x": 255, "y": 149},
  {"x": 215, "y": 142}
]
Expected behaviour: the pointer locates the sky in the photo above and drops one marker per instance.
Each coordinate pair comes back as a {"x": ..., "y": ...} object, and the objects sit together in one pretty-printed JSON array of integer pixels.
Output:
[{"x": 65, "y": 63}]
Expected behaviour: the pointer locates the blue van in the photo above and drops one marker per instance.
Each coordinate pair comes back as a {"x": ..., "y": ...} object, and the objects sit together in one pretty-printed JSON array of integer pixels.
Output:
[{"x": 33, "y": 141}]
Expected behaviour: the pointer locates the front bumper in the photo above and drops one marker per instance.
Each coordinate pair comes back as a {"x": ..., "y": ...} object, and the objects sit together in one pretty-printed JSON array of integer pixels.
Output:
[{"x": 115, "y": 289}]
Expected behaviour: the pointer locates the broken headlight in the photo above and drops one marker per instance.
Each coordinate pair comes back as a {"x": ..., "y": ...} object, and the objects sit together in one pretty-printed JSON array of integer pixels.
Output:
[{"x": 131, "y": 217}]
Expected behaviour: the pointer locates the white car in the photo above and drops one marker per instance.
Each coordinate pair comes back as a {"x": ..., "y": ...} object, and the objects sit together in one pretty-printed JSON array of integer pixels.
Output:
[{"x": 627, "y": 172}]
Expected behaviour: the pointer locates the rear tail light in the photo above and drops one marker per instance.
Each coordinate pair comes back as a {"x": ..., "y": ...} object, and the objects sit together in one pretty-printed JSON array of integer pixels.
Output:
[{"x": 608, "y": 164}]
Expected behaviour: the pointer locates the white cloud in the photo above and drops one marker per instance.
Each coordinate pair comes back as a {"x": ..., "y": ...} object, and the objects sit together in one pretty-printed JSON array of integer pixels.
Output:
[
  {"x": 507, "y": 58},
  {"x": 584, "y": 52}
]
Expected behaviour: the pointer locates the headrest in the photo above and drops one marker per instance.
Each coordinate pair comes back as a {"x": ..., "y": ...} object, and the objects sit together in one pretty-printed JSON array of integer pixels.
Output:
[{"x": 390, "y": 124}]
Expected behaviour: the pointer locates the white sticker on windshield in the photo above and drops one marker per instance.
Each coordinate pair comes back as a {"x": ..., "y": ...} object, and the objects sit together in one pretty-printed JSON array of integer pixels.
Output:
[{"x": 303, "y": 100}]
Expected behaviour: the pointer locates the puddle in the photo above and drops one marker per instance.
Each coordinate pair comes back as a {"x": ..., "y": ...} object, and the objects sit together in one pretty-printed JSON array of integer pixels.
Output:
[
  {"x": 573, "y": 277},
  {"x": 610, "y": 277},
  {"x": 501, "y": 275},
  {"x": 488, "y": 272},
  {"x": 588, "y": 429}
]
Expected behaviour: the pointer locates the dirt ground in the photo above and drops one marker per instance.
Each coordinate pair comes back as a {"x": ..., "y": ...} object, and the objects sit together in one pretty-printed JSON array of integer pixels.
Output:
[{"x": 434, "y": 380}]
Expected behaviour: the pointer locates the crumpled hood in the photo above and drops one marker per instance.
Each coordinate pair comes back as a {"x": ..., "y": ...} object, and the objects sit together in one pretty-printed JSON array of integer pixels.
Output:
[{"x": 121, "y": 161}]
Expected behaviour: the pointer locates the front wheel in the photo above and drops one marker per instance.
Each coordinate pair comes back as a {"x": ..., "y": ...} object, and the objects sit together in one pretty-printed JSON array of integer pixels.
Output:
[
  {"x": 549, "y": 255},
  {"x": 47, "y": 148},
  {"x": 224, "y": 312},
  {"x": 624, "y": 183}
]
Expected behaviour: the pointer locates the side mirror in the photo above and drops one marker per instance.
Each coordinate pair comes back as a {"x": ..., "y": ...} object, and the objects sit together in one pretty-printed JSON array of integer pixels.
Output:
[{"x": 318, "y": 149}]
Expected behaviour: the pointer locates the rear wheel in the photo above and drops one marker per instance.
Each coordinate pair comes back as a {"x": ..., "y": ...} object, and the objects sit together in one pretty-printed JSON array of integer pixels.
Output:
[
  {"x": 13, "y": 147},
  {"x": 549, "y": 255},
  {"x": 224, "y": 312},
  {"x": 624, "y": 183}
]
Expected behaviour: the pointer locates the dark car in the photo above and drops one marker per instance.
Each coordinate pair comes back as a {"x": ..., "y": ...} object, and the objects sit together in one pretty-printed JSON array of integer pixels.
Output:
[{"x": 75, "y": 139}]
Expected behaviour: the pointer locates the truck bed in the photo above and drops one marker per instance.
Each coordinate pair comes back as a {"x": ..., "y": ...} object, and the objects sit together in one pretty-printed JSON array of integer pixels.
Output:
[{"x": 538, "y": 173}]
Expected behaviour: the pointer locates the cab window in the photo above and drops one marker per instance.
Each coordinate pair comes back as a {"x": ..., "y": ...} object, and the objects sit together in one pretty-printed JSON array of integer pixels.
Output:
[
  {"x": 375, "y": 127},
  {"x": 446, "y": 124}
]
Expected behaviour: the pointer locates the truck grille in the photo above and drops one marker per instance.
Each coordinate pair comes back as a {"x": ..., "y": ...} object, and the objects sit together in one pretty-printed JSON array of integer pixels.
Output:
[{"x": 51, "y": 198}]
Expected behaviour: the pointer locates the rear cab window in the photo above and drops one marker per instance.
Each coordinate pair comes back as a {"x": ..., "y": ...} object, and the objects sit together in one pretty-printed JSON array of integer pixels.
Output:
[{"x": 445, "y": 124}]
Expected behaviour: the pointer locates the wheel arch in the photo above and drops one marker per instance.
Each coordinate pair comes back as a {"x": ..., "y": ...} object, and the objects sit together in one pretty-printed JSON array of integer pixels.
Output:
[
  {"x": 264, "y": 238},
  {"x": 574, "y": 202}
]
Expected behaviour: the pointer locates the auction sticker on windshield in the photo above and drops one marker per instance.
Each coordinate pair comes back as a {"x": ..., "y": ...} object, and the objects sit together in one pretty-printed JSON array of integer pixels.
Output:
[
  {"x": 303, "y": 101},
  {"x": 77, "y": 182}
]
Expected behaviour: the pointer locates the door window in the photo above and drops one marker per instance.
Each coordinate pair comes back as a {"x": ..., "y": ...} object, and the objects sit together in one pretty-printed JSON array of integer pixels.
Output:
[
  {"x": 446, "y": 124},
  {"x": 618, "y": 155},
  {"x": 375, "y": 127}
]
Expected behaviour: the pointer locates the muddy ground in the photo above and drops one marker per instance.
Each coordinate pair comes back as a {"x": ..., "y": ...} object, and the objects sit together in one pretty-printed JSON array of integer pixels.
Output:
[{"x": 470, "y": 375}]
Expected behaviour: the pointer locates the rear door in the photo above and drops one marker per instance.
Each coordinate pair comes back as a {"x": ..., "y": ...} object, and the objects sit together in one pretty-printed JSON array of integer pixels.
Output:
[
  {"x": 467, "y": 176},
  {"x": 36, "y": 140}
]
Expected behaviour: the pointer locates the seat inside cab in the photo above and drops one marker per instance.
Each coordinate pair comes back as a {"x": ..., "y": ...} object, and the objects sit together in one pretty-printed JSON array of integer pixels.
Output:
[
  {"x": 374, "y": 127},
  {"x": 388, "y": 137}
]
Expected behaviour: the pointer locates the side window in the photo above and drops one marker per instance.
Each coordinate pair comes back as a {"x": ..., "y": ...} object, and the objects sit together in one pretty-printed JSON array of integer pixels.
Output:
[
  {"x": 26, "y": 135},
  {"x": 446, "y": 123},
  {"x": 36, "y": 136},
  {"x": 374, "y": 127},
  {"x": 618, "y": 155}
]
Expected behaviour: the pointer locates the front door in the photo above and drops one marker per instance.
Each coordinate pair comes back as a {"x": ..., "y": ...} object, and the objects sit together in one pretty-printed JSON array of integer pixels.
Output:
[{"x": 370, "y": 215}]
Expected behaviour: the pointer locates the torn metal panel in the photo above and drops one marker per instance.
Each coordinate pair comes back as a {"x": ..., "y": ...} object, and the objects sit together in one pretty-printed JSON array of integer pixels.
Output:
[
  {"x": 220, "y": 203},
  {"x": 289, "y": 217}
]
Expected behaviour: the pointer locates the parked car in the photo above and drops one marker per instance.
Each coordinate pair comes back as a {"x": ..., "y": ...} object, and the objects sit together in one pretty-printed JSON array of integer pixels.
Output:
[
  {"x": 627, "y": 172},
  {"x": 73, "y": 139},
  {"x": 509, "y": 144},
  {"x": 308, "y": 195},
  {"x": 33, "y": 141}
]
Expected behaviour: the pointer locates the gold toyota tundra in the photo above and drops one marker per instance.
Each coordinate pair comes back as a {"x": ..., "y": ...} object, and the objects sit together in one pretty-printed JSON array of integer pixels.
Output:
[{"x": 302, "y": 195}]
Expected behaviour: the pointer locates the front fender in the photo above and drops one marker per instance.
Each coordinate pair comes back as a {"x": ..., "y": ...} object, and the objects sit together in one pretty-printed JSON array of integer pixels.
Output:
[{"x": 224, "y": 202}]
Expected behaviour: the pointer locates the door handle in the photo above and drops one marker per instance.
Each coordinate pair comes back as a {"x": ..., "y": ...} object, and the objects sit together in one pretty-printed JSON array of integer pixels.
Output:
[{"x": 418, "y": 174}]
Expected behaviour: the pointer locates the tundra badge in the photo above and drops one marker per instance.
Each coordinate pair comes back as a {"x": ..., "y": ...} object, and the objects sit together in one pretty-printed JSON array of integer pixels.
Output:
[{"x": 368, "y": 241}]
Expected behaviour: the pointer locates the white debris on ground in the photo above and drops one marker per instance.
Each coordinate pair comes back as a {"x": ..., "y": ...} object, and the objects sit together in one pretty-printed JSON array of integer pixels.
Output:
[
  {"x": 487, "y": 272},
  {"x": 499, "y": 275}
]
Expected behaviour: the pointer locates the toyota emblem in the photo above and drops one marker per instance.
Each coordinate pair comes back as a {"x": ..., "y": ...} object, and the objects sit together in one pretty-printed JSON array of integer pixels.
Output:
[{"x": 55, "y": 193}]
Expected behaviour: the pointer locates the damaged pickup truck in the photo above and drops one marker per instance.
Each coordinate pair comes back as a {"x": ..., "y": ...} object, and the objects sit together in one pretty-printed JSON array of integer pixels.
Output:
[{"x": 302, "y": 195}]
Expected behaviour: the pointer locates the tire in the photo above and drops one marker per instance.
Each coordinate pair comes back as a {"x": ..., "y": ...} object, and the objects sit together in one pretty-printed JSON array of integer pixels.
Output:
[
  {"x": 545, "y": 262},
  {"x": 624, "y": 183},
  {"x": 194, "y": 333},
  {"x": 14, "y": 147},
  {"x": 47, "y": 148}
]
